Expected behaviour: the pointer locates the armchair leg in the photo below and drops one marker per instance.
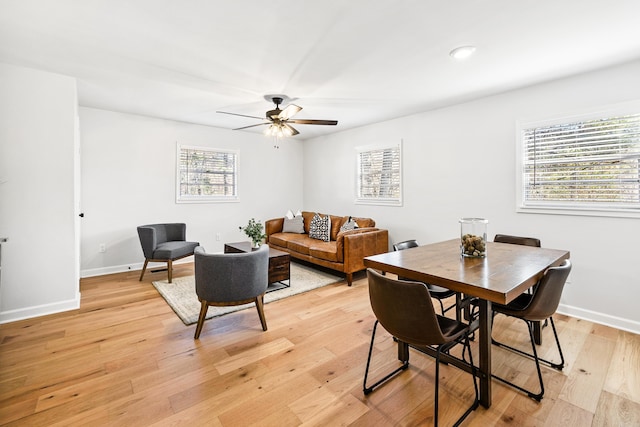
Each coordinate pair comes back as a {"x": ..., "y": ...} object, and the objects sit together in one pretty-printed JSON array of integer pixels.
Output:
[
  {"x": 260, "y": 308},
  {"x": 204, "y": 306},
  {"x": 144, "y": 268},
  {"x": 170, "y": 269}
]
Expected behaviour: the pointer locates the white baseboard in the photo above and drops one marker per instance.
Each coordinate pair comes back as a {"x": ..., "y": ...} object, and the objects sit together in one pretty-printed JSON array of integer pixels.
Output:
[
  {"x": 40, "y": 310},
  {"x": 92, "y": 272},
  {"x": 601, "y": 318}
]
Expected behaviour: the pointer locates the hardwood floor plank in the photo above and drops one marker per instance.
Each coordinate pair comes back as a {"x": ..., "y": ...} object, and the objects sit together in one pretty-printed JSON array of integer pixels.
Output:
[
  {"x": 341, "y": 411},
  {"x": 586, "y": 378},
  {"x": 124, "y": 358},
  {"x": 565, "y": 414},
  {"x": 268, "y": 404},
  {"x": 616, "y": 411},
  {"x": 252, "y": 355},
  {"x": 623, "y": 377}
]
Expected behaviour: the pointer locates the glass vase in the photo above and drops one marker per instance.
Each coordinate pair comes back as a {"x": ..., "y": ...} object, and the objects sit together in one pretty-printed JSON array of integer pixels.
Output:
[{"x": 473, "y": 237}]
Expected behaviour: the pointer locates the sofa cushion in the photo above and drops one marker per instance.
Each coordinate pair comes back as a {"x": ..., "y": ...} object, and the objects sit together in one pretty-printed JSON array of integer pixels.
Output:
[
  {"x": 320, "y": 228},
  {"x": 365, "y": 222},
  {"x": 293, "y": 241},
  {"x": 324, "y": 250},
  {"x": 307, "y": 216},
  {"x": 300, "y": 243},
  {"x": 279, "y": 239},
  {"x": 336, "y": 222}
]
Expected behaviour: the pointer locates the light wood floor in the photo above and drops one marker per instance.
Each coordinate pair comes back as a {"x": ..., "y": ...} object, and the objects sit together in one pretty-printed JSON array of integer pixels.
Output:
[{"x": 124, "y": 358}]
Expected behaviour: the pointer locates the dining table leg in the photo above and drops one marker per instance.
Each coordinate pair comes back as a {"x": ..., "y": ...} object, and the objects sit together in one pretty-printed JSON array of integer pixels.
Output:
[{"x": 484, "y": 346}]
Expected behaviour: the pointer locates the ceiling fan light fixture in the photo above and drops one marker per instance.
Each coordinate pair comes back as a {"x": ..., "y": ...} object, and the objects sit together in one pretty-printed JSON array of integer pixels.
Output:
[
  {"x": 462, "y": 52},
  {"x": 278, "y": 130},
  {"x": 277, "y": 119}
]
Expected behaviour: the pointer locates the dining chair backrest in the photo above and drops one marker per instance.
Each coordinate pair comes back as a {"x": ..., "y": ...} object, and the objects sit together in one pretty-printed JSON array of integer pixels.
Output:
[
  {"x": 405, "y": 245},
  {"x": 404, "y": 309},
  {"x": 517, "y": 240},
  {"x": 546, "y": 297}
]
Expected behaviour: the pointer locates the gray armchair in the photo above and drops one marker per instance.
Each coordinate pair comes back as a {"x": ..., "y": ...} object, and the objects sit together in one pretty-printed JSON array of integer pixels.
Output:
[
  {"x": 164, "y": 243},
  {"x": 231, "y": 279}
]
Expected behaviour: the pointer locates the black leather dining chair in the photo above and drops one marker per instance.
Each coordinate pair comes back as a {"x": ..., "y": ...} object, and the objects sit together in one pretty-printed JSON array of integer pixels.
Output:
[
  {"x": 436, "y": 292},
  {"x": 524, "y": 241},
  {"x": 517, "y": 240},
  {"x": 535, "y": 307},
  {"x": 405, "y": 310}
]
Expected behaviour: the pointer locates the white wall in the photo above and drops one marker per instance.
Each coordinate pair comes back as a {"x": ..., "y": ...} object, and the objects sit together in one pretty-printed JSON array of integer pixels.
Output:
[
  {"x": 128, "y": 179},
  {"x": 460, "y": 161},
  {"x": 38, "y": 179}
]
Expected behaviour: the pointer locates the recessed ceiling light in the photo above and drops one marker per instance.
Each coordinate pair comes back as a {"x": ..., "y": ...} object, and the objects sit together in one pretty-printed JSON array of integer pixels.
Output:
[{"x": 462, "y": 52}]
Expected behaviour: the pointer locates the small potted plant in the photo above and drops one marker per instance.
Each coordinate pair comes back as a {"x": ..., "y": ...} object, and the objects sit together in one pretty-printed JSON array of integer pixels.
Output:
[{"x": 254, "y": 231}]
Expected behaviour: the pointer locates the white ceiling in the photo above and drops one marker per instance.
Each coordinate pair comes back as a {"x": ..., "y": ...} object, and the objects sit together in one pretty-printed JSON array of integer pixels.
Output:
[{"x": 355, "y": 61}]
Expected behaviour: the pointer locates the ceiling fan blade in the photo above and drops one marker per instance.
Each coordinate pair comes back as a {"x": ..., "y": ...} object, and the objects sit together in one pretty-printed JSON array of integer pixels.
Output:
[
  {"x": 290, "y": 111},
  {"x": 313, "y": 122},
  {"x": 291, "y": 129},
  {"x": 251, "y": 126},
  {"x": 241, "y": 115}
]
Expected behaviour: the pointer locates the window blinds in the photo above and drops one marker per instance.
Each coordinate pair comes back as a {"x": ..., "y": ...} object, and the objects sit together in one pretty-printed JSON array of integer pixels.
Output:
[
  {"x": 206, "y": 173},
  {"x": 379, "y": 174},
  {"x": 591, "y": 163}
]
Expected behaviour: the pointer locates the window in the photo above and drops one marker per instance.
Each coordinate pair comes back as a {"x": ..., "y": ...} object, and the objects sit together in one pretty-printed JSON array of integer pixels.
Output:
[
  {"x": 379, "y": 179},
  {"x": 585, "y": 163},
  {"x": 206, "y": 175}
]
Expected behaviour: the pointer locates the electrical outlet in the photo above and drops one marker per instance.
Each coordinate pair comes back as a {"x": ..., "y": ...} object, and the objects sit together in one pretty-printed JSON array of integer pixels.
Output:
[
  {"x": 102, "y": 248},
  {"x": 218, "y": 237}
]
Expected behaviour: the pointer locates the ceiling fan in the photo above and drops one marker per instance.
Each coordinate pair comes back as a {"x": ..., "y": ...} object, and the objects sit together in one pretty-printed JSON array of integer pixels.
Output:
[{"x": 279, "y": 121}]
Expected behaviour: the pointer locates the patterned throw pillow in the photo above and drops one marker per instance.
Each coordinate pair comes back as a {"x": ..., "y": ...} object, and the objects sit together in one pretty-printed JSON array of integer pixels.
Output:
[
  {"x": 351, "y": 224},
  {"x": 320, "y": 228}
]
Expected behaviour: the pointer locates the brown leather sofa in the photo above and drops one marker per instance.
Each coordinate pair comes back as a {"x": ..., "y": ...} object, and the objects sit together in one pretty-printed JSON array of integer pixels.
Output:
[{"x": 344, "y": 252}]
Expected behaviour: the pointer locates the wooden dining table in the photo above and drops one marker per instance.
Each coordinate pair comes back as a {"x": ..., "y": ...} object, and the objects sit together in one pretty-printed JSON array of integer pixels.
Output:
[{"x": 506, "y": 272}]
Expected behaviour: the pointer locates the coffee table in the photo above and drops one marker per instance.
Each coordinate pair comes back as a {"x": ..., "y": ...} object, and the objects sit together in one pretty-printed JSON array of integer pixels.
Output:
[{"x": 279, "y": 264}]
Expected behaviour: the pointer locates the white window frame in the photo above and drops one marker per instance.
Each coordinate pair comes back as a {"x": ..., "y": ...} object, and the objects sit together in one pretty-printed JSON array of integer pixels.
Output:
[
  {"x": 378, "y": 199},
  {"x": 568, "y": 207},
  {"x": 185, "y": 198}
]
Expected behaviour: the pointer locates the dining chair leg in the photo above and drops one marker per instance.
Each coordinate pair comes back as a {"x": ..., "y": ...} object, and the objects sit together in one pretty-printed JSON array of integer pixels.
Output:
[
  {"x": 557, "y": 366},
  {"x": 437, "y": 393},
  {"x": 405, "y": 364},
  {"x": 204, "y": 306},
  {"x": 536, "y": 396},
  {"x": 466, "y": 346}
]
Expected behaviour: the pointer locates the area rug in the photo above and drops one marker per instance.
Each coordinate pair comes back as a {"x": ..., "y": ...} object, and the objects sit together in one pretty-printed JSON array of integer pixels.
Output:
[{"x": 181, "y": 293}]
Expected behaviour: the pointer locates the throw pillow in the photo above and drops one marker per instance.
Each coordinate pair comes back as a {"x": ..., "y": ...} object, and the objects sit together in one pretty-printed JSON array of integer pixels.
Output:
[
  {"x": 351, "y": 224},
  {"x": 290, "y": 215},
  {"x": 320, "y": 228},
  {"x": 293, "y": 225}
]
